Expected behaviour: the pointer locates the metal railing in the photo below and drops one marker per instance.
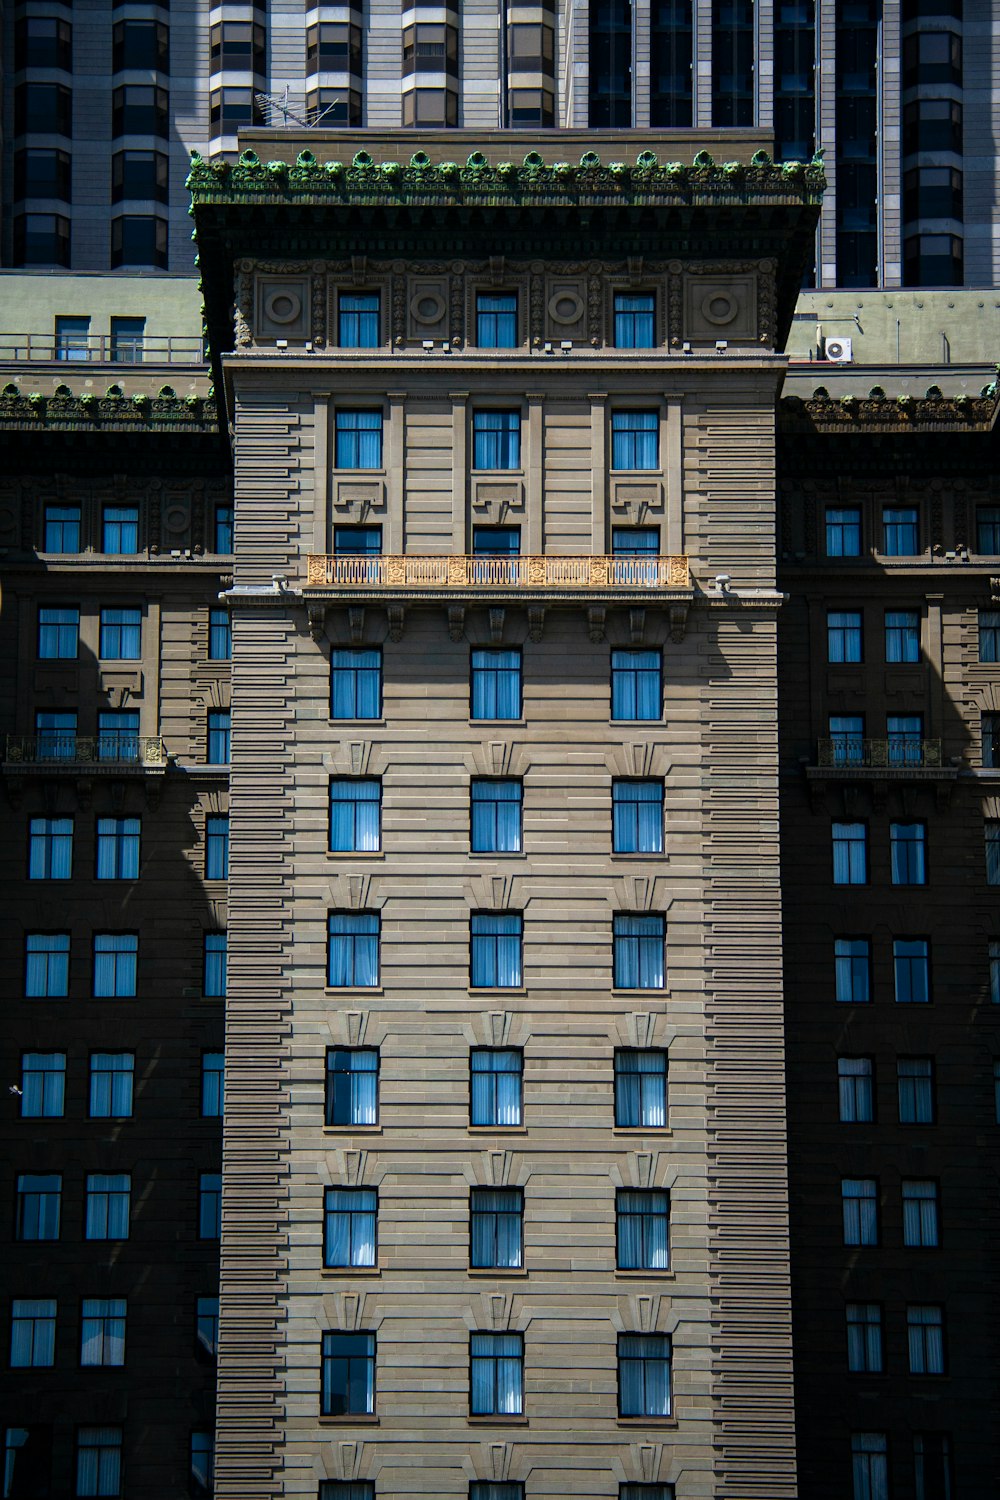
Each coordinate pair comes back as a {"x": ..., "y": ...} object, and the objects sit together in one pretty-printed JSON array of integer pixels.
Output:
[
  {"x": 406, "y": 571},
  {"x": 102, "y": 349},
  {"x": 54, "y": 748},
  {"x": 899, "y": 753}
]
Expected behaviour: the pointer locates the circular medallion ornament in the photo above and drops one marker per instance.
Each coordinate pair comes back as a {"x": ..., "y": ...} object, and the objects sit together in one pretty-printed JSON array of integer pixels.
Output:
[
  {"x": 719, "y": 308},
  {"x": 282, "y": 305},
  {"x": 428, "y": 307},
  {"x": 566, "y": 307}
]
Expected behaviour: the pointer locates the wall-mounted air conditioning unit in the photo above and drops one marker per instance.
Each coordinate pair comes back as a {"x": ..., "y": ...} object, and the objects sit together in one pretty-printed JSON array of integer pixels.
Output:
[{"x": 838, "y": 351}]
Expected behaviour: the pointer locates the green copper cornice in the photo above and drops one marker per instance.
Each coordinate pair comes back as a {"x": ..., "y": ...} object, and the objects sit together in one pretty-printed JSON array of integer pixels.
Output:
[{"x": 113, "y": 412}]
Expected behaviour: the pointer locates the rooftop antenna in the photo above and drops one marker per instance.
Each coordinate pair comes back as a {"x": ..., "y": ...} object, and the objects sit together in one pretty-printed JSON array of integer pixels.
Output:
[{"x": 278, "y": 112}]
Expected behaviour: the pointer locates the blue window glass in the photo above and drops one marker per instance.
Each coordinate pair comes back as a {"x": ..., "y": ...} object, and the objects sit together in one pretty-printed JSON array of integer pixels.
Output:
[
  {"x": 220, "y": 635},
  {"x": 634, "y": 320},
  {"x": 636, "y": 687},
  {"x": 118, "y": 735},
  {"x": 899, "y": 531},
  {"x": 496, "y": 1085},
  {"x": 32, "y": 1338},
  {"x": 911, "y": 970},
  {"x": 991, "y": 828},
  {"x": 637, "y": 817},
  {"x": 355, "y": 684},
  {"x": 217, "y": 848},
  {"x": 496, "y": 320},
  {"x": 640, "y": 1088},
  {"x": 218, "y": 737},
  {"x": 112, "y": 1076},
  {"x": 352, "y": 1086},
  {"x": 46, "y": 969},
  {"x": 350, "y": 1217},
  {"x": 643, "y": 1375},
  {"x": 348, "y": 1379},
  {"x": 987, "y": 529},
  {"x": 843, "y": 635},
  {"x": 847, "y": 739},
  {"x": 496, "y": 816},
  {"x": 496, "y": 439},
  {"x": 62, "y": 528},
  {"x": 905, "y": 734},
  {"x": 357, "y": 320},
  {"x": 850, "y": 854},
  {"x": 902, "y": 635},
  {"x": 38, "y": 1203},
  {"x": 635, "y": 440},
  {"x": 852, "y": 970},
  {"x": 116, "y": 961},
  {"x": 43, "y": 1085},
  {"x": 908, "y": 847},
  {"x": 107, "y": 1206},
  {"x": 55, "y": 735},
  {"x": 859, "y": 1207},
  {"x": 496, "y": 684},
  {"x": 490, "y": 1489},
  {"x": 121, "y": 631},
  {"x": 50, "y": 848},
  {"x": 643, "y": 1230},
  {"x": 207, "y": 1325},
  {"x": 120, "y": 529},
  {"x": 635, "y": 541},
  {"x": 102, "y": 1331},
  {"x": 58, "y": 634},
  {"x": 989, "y": 635},
  {"x": 355, "y": 815},
  {"x": 496, "y": 950},
  {"x": 353, "y": 950},
  {"x": 209, "y": 1205},
  {"x": 118, "y": 848},
  {"x": 358, "y": 439},
  {"x": 843, "y": 531},
  {"x": 496, "y": 1374},
  {"x": 496, "y": 541},
  {"x": 98, "y": 1461},
  {"x": 213, "y": 1066},
  {"x": 357, "y": 541},
  {"x": 215, "y": 954},
  {"x": 223, "y": 537},
  {"x": 638, "y": 951}
]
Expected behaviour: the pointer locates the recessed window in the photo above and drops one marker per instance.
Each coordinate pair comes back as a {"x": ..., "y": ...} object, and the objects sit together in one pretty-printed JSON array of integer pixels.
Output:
[
  {"x": 58, "y": 633},
  {"x": 932, "y": 193},
  {"x": 46, "y": 973},
  {"x": 213, "y": 1067},
  {"x": 495, "y": 550},
  {"x": 41, "y": 240},
  {"x": 219, "y": 724},
  {"x": 911, "y": 970},
  {"x": 495, "y": 816},
  {"x": 491, "y": 1490},
  {"x": 355, "y": 684},
  {"x": 43, "y": 172},
  {"x": 496, "y": 439},
  {"x": 496, "y": 1223},
  {"x": 932, "y": 1465},
  {"x": 989, "y": 635},
  {"x": 496, "y": 1377},
  {"x": 932, "y": 57},
  {"x": 843, "y": 531},
  {"x": 850, "y": 854},
  {"x": 32, "y": 1336},
  {"x": 358, "y": 439},
  {"x": 988, "y": 529},
  {"x": 352, "y": 1086},
  {"x": 223, "y": 529},
  {"x": 333, "y": 47},
  {"x": 908, "y": 851},
  {"x": 348, "y": 1383},
  {"x": 203, "y": 1462},
  {"x": 43, "y": 42},
  {"x": 121, "y": 635},
  {"x": 116, "y": 960},
  {"x": 915, "y": 1086},
  {"x": 50, "y": 848},
  {"x": 933, "y": 125},
  {"x": 118, "y": 735},
  {"x": 496, "y": 320},
  {"x": 207, "y": 1326},
  {"x": 209, "y": 1205},
  {"x": 112, "y": 1076},
  {"x": 38, "y": 1203},
  {"x": 43, "y": 1085},
  {"x": 128, "y": 336},
  {"x": 843, "y": 635},
  {"x": 102, "y": 1331},
  {"x": 62, "y": 527},
  {"x": 496, "y": 684},
  {"x": 847, "y": 739},
  {"x": 231, "y": 110},
  {"x": 634, "y": 314},
  {"x": 900, "y": 531},
  {"x": 139, "y": 240},
  {"x": 349, "y": 1226},
  {"x": 920, "y": 1214},
  {"x": 355, "y": 814},
  {"x": 43, "y": 109},
  {"x": 220, "y": 635},
  {"x": 138, "y": 43},
  {"x": 531, "y": 108},
  {"x": 855, "y": 1088},
  {"x": 238, "y": 46},
  {"x": 358, "y": 320},
  {"x": 636, "y": 685},
  {"x": 905, "y": 739},
  {"x": 638, "y": 943},
  {"x": 530, "y": 47},
  {"x": 864, "y": 1338},
  {"x": 496, "y": 940},
  {"x": 140, "y": 109},
  {"x": 902, "y": 635},
  {"x": 643, "y": 1230},
  {"x": 640, "y": 1088},
  {"x": 217, "y": 848},
  {"x": 107, "y": 1204},
  {"x": 994, "y": 962},
  {"x": 637, "y": 816},
  {"x": 635, "y": 440},
  {"x": 336, "y": 1489},
  {"x": 496, "y": 1081},
  {"x": 353, "y": 950},
  {"x": 933, "y": 260},
  {"x": 139, "y": 175},
  {"x": 430, "y": 47},
  {"x": 118, "y": 848},
  {"x": 99, "y": 1461},
  {"x": 55, "y": 735},
  {"x": 214, "y": 965},
  {"x": 430, "y": 107},
  {"x": 643, "y": 1375},
  {"x": 120, "y": 529},
  {"x": 859, "y": 1199}
]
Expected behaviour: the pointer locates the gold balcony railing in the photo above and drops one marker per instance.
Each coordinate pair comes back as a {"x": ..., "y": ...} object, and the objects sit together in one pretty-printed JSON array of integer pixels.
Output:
[
  {"x": 56, "y": 748},
  {"x": 852, "y": 752},
  {"x": 407, "y": 571}
]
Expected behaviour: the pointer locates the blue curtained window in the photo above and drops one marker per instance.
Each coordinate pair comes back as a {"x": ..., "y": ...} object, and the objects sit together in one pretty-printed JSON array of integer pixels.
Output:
[
  {"x": 634, "y": 320},
  {"x": 348, "y": 1374},
  {"x": 111, "y": 1079},
  {"x": 859, "y": 1199},
  {"x": 636, "y": 687},
  {"x": 496, "y": 439},
  {"x": 911, "y": 970},
  {"x": 102, "y": 1331},
  {"x": 99, "y": 1461},
  {"x": 62, "y": 528},
  {"x": 635, "y": 440},
  {"x": 843, "y": 532},
  {"x": 217, "y": 848},
  {"x": 637, "y": 817},
  {"x": 50, "y": 849},
  {"x": 358, "y": 320},
  {"x": 643, "y": 1375},
  {"x": 120, "y": 529},
  {"x": 46, "y": 965},
  {"x": 496, "y": 684},
  {"x": 843, "y": 635},
  {"x": 118, "y": 848},
  {"x": 900, "y": 536},
  {"x": 219, "y": 721},
  {"x": 496, "y": 1074},
  {"x": 847, "y": 739},
  {"x": 902, "y": 635},
  {"x": 107, "y": 1206},
  {"x": 496, "y": 1225},
  {"x": 358, "y": 439},
  {"x": 121, "y": 631},
  {"x": 908, "y": 845},
  {"x": 906, "y": 739},
  {"x": 118, "y": 735},
  {"x": 216, "y": 954},
  {"x": 43, "y": 1085},
  {"x": 353, "y": 950},
  {"x": 32, "y": 1336},
  {"x": 38, "y": 1203},
  {"x": 209, "y": 1205},
  {"x": 497, "y": 1374},
  {"x": 355, "y": 684},
  {"x": 220, "y": 635},
  {"x": 850, "y": 854},
  {"x": 352, "y": 1086},
  {"x": 55, "y": 735},
  {"x": 58, "y": 634},
  {"x": 349, "y": 1235},
  {"x": 638, "y": 952},
  {"x": 496, "y": 816},
  {"x": 643, "y": 1231},
  {"x": 116, "y": 960},
  {"x": 223, "y": 528},
  {"x": 640, "y": 1088},
  {"x": 496, "y": 320},
  {"x": 852, "y": 962},
  {"x": 355, "y": 815},
  {"x": 496, "y": 950}
]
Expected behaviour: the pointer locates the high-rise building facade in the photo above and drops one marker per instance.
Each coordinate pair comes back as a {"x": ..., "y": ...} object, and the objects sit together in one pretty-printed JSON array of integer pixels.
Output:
[{"x": 102, "y": 111}]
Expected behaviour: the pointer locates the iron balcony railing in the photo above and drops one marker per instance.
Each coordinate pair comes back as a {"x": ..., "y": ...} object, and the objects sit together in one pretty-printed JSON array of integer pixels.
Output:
[
  {"x": 849, "y": 751},
  {"x": 102, "y": 349},
  {"x": 407, "y": 571},
  {"x": 55, "y": 748}
]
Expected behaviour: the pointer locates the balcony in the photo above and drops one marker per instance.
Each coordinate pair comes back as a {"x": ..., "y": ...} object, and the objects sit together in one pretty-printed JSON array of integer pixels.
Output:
[
  {"x": 101, "y": 349},
  {"x": 851, "y": 754},
  {"x": 103, "y": 754},
  {"x": 531, "y": 574}
]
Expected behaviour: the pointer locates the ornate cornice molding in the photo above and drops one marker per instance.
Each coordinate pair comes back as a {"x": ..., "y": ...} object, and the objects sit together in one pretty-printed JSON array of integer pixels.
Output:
[
  {"x": 114, "y": 411},
  {"x": 900, "y": 414}
]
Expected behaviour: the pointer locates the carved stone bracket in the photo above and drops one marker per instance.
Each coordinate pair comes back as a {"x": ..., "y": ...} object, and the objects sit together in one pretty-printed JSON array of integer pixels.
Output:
[
  {"x": 356, "y": 623},
  {"x": 497, "y": 617},
  {"x": 396, "y": 613},
  {"x": 678, "y": 614},
  {"x": 317, "y": 619},
  {"x": 456, "y": 622},
  {"x": 596, "y": 619},
  {"x": 636, "y": 625},
  {"x": 536, "y": 622}
]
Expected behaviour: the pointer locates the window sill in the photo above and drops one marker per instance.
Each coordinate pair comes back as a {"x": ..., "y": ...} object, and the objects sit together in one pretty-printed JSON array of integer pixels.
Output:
[
  {"x": 355, "y": 854},
  {"x": 358, "y": 473},
  {"x": 332, "y": 1273},
  {"x": 659, "y": 1131},
  {"x": 658, "y": 1422},
  {"x": 488, "y": 474},
  {"x": 636, "y": 854},
  {"x": 513, "y": 723},
  {"x": 497, "y": 990},
  {"x": 497, "y": 1273},
  {"x": 361, "y": 723},
  {"x": 341, "y": 1130},
  {"x": 497, "y": 1421},
  {"x": 497, "y": 1130},
  {"x": 667, "y": 1275},
  {"x": 498, "y": 854},
  {"x": 350, "y": 1419},
  {"x": 648, "y": 990},
  {"x": 353, "y": 989},
  {"x": 636, "y": 721}
]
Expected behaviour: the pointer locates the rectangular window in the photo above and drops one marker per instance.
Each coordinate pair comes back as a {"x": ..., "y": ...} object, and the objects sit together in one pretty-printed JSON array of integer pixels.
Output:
[
  {"x": 496, "y": 1076},
  {"x": 496, "y": 942},
  {"x": 55, "y": 735},
  {"x": 843, "y": 531},
  {"x": 911, "y": 970},
  {"x": 46, "y": 970},
  {"x": 496, "y": 439},
  {"x": 638, "y": 943},
  {"x": 496, "y": 320},
  {"x": 915, "y": 1086},
  {"x": 336, "y": 1489},
  {"x": 488, "y": 1489},
  {"x": 864, "y": 1338},
  {"x": 118, "y": 848},
  {"x": 99, "y": 1461},
  {"x": 112, "y": 1077},
  {"x": 358, "y": 320},
  {"x": 358, "y": 439},
  {"x": 349, "y": 1226},
  {"x": 843, "y": 635},
  {"x": 102, "y": 1331},
  {"x": 870, "y": 1466},
  {"x": 925, "y": 1335},
  {"x": 646, "y": 1492},
  {"x": 989, "y": 729},
  {"x": 50, "y": 849},
  {"x": 218, "y": 737},
  {"x": 214, "y": 964},
  {"x": 994, "y": 961},
  {"x": 353, "y": 950},
  {"x": 495, "y": 816},
  {"x": 908, "y": 845},
  {"x": 636, "y": 685},
  {"x": 900, "y": 531},
  {"x": 107, "y": 1206},
  {"x": 62, "y": 528},
  {"x": 58, "y": 633},
  {"x": 348, "y": 1374},
  {"x": 121, "y": 631},
  {"x": 495, "y": 541},
  {"x": 209, "y": 1205},
  {"x": 363, "y": 543},
  {"x": 859, "y": 1199},
  {"x": 118, "y": 736},
  {"x": 636, "y": 554},
  {"x": 991, "y": 827},
  {"x": 212, "y": 1079},
  {"x": 496, "y": 1228},
  {"x": 637, "y": 816},
  {"x": 643, "y": 1375},
  {"x": 127, "y": 338},
  {"x": 352, "y": 1086},
  {"x": 72, "y": 335},
  {"x": 355, "y": 684},
  {"x": 852, "y": 966},
  {"x": 38, "y": 1201},
  {"x": 634, "y": 320},
  {"x": 496, "y": 1380},
  {"x": 855, "y": 1083},
  {"x": 220, "y": 635},
  {"x": 987, "y": 529},
  {"x": 43, "y": 1085},
  {"x": 902, "y": 635},
  {"x": 116, "y": 960},
  {"x": 355, "y": 815},
  {"x": 496, "y": 684},
  {"x": 643, "y": 1231},
  {"x": 32, "y": 1336},
  {"x": 635, "y": 437},
  {"x": 847, "y": 739},
  {"x": 203, "y": 1462},
  {"x": 932, "y": 1466},
  {"x": 207, "y": 1326},
  {"x": 640, "y": 1088},
  {"x": 905, "y": 733},
  {"x": 120, "y": 530},
  {"x": 223, "y": 529},
  {"x": 850, "y": 854},
  {"x": 217, "y": 848},
  {"x": 920, "y": 1213}
]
